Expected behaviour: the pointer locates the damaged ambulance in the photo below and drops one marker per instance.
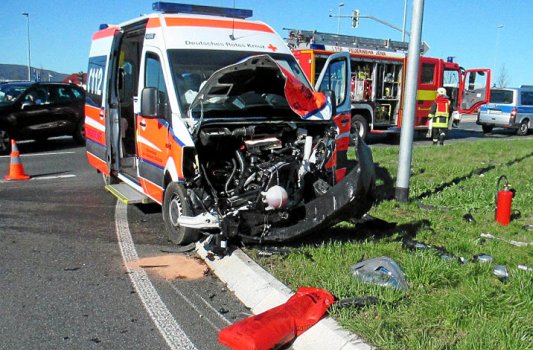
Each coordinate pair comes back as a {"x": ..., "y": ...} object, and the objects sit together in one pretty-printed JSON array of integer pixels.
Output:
[{"x": 209, "y": 115}]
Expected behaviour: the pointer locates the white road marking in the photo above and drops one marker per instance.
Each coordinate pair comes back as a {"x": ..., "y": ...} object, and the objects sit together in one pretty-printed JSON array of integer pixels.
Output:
[
  {"x": 66, "y": 176},
  {"x": 42, "y": 154},
  {"x": 156, "y": 308}
]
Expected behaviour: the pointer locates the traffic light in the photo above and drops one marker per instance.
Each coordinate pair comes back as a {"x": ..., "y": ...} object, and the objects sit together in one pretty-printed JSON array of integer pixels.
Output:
[{"x": 355, "y": 18}]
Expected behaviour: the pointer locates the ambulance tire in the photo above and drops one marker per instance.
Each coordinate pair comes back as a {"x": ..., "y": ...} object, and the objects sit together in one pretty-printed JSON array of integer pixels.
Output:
[
  {"x": 79, "y": 133},
  {"x": 360, "y": 126},
  {"x": 175, "y": 204}
]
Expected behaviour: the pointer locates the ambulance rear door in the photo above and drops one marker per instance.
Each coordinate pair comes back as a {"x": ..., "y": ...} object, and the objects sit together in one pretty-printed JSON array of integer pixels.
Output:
[
  {"x": 474, "y": 90},
  {"x": 98, "y": 106}
]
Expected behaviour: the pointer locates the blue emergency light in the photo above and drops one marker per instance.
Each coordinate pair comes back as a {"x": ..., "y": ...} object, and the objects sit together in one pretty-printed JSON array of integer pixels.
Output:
[{"x": 170, "y": 7}]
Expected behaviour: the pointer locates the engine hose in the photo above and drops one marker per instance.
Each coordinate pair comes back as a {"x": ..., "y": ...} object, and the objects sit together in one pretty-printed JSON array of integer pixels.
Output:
[
  {"x": 214, "y": 192},
  {"x": 243, "y": 168},
  {"x": 230, "y": 178},
  {"x": 240, "y": 158}
]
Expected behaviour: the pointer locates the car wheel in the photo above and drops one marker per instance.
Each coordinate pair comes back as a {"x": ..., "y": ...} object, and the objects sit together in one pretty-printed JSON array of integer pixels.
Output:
[
  {"x": 359, "y": 126},
  {"x": 522, "y": 130},
  {"x": 5, "y": 142},
  {"x": 176, "y": 204},
  {"x": 487, "y": 128},
  {"x": 79, "y": 133}
]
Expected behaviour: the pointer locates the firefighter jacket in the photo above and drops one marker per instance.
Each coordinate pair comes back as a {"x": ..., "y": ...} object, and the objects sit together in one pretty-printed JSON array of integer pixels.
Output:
[{"x": 440, "y": 112}]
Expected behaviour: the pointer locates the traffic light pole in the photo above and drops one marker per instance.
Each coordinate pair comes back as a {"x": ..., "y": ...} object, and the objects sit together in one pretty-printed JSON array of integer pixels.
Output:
[{"x": 409, "y": 108}]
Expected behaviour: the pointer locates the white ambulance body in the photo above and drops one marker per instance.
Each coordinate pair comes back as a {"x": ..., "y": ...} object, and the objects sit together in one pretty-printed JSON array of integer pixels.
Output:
[{"x": 161, "y": 126}]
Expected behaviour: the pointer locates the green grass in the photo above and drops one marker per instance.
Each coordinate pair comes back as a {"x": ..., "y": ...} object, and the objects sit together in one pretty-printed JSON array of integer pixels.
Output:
[{"x": 448, "y": 305}]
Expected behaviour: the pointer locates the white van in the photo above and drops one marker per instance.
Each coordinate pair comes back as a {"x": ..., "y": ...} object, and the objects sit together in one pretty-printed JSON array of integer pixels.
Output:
[
  {"x": 210, "y": 115},
  {"x": 508, "y": 108}
]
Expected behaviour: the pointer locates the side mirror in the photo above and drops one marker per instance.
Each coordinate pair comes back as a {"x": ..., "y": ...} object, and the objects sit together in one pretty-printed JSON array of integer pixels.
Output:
[
  {"x": 149, "y": 102},
  {"x": 333, "y": 99}
]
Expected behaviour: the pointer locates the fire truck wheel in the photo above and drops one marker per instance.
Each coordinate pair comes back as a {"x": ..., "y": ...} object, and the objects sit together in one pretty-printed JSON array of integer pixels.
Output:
[
  {"x": 359, "y": 125},
  {"x": 175, "y": 204},
  {"x": 486, "y": 128},
  {"x": 522, "y": 129},
  {"x": 5, "y": 142}
]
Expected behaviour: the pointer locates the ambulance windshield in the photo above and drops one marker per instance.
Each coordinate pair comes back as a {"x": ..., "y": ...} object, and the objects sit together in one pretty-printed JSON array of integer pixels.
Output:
[{"x": 260, "y": 92}]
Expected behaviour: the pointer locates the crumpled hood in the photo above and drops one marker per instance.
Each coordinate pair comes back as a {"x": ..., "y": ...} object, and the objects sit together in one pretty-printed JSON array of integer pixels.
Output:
[{"x": 259, "y": 81}]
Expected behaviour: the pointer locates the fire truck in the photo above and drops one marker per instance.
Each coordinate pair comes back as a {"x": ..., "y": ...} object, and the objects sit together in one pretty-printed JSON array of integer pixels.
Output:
[{"x": 377, "y": 83}]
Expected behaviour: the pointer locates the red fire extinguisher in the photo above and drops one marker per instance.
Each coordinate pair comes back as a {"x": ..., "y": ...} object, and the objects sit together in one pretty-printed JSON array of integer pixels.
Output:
[{"x": 504, "y": 201}]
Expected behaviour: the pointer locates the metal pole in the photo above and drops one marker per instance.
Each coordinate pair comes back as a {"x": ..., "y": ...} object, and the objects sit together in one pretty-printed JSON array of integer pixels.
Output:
[
  {"x": 404, "y": 19},
  {"x": 29, "y": 46},
  {"x": 339, "y": 18},
  {"x": 409, "y": 109}
]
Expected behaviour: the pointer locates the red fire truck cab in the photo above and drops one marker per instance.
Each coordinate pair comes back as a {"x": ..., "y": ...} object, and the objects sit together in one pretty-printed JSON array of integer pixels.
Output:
[{"x": 378, "y": 73}]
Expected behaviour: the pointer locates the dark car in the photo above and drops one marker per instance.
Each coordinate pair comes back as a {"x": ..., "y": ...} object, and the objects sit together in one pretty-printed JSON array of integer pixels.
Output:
[{"x": 40, "y": 110}]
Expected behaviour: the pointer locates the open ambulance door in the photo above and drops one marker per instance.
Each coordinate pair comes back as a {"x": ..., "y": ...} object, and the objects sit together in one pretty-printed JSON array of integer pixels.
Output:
[
  {"x": 474, "y": 90},
  {"x": 336, "y": 77},
  {"x": 99, "y": 116},
  {"x": 335, "y": 81}
]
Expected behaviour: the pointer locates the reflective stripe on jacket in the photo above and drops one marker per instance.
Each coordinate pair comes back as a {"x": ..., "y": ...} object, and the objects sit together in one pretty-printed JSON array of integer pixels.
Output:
[{"x": 440, "y": 112}]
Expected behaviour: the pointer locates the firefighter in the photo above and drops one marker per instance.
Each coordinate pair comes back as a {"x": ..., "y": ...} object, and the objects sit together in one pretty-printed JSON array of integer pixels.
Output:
[{"x": 439, "y": 115}]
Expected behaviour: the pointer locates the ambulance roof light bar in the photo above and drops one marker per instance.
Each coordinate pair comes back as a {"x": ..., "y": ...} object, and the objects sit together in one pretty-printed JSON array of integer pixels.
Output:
[{"x": 170, "y": 7}]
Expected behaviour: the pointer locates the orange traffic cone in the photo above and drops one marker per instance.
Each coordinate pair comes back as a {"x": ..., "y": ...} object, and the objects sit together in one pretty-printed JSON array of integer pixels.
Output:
[{"x": 16, "y": 169}]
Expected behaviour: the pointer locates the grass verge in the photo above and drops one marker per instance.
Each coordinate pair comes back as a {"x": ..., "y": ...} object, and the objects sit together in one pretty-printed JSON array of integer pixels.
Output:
[{"x": 449, "y": 304}]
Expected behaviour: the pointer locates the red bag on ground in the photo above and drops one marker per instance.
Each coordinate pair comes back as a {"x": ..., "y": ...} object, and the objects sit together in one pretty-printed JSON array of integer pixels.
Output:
[{"x": 280, "y": 325}]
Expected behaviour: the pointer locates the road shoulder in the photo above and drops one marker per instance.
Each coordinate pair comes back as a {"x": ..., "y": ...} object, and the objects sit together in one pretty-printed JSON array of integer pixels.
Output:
[{"x": 260, "y": 291}]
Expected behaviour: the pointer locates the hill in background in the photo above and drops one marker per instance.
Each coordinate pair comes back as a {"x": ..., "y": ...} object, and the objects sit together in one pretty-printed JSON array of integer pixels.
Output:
[{"x": 20, "y": 72}]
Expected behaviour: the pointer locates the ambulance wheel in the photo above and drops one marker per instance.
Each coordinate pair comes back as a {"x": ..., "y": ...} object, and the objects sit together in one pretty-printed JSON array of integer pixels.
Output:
[
  {"x": 522, "y": 130},
  {"x": 79, "y": 133},
  {"x": 359, "y": 126},
  {"x": 175, "y": 204},
  {"x": 487, "y": 128},
  {"x": 5, "y": 142}
]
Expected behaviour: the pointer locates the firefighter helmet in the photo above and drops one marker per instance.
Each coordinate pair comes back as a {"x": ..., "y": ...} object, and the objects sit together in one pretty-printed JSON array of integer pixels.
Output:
[{"x": 441, "y": 91}]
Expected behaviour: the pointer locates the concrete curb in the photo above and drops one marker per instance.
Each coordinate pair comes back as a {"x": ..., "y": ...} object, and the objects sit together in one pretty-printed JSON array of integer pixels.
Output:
[{"x": 260, "y": 291}]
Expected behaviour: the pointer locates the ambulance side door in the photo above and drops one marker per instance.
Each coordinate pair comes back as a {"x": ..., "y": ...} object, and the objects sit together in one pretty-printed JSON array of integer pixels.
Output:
[
  {"x": 152, "y": 127},
  {"x": 474, "y": 90}
]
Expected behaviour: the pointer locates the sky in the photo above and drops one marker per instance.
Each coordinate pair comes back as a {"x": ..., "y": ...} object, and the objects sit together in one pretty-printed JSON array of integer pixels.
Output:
[{"x": 493, "y": 34}]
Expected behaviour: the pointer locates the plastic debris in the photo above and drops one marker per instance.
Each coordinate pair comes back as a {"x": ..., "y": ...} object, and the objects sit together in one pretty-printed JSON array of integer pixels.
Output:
[
  {"x": 528, "y": 227},
  {"x": 280, "y": 325},
  {"x": 382, "y": 271},
  {"x": 525, "y": 268},
  {"x": 510, "y": 241},
  {"x": 500, "y": 271},
  {"x": 482, "y": 258},
  {"x": 469, "y": 218},
  {"x": 462, "y": 260}
]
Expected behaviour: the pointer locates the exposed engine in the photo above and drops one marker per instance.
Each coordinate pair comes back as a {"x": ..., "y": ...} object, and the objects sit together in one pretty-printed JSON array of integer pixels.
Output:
[{"x": 256, "y": 177}]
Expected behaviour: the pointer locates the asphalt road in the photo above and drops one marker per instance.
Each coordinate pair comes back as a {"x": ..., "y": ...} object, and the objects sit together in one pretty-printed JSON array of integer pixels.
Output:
[{"x": 63, "y": 279}]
